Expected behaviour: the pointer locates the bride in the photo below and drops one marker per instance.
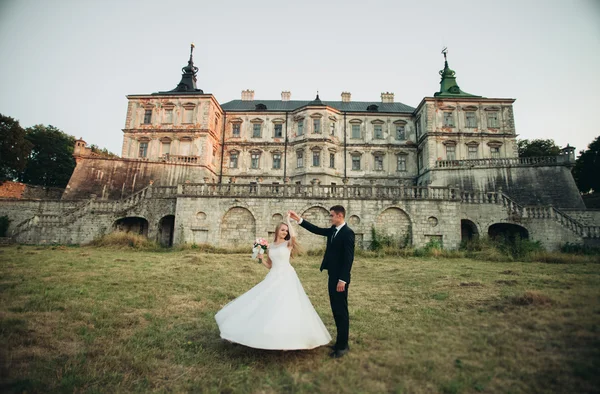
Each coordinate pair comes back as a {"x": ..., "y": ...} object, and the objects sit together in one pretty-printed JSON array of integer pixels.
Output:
[{"x": 276, "y": 313}]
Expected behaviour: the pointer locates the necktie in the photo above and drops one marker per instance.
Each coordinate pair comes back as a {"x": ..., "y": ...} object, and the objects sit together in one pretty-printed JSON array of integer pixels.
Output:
[{"x": 334, "y": 234}]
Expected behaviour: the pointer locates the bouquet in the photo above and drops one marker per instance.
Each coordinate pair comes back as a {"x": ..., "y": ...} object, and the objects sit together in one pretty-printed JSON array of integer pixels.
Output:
[{"x": 260, "y": 245}]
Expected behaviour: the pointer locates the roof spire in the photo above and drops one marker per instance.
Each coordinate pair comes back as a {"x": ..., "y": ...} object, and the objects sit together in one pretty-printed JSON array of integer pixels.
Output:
[
  {"x": 188, "y": 77},
  {"x": 448, "y": 85},
  {"x": 316, "y": 101}
]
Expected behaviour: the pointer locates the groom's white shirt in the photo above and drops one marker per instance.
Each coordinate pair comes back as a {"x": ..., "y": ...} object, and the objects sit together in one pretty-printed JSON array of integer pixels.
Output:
[{"x": 337, "y": 230}]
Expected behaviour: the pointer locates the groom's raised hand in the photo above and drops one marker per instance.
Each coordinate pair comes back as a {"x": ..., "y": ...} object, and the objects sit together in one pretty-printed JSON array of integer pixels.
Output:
[{"x": 294, "y": 215}]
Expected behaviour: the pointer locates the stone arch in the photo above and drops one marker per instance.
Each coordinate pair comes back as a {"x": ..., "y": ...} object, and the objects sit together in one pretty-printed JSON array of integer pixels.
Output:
[
  {"x": 507, "y": 231},
  {"x": 166, "y": 229},
  {"x": 395, "y": 223},
  {"x": 238, "y": 227},
  {"x": 319, "y": 216},
  {"x": 468, "y": 230},
  {"x": 132, "y": 224}
]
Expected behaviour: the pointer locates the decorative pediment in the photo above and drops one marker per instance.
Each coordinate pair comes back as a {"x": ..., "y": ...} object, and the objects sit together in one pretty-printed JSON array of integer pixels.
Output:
[
  {"x": 316, "y": 148},
  {"x": 356, "y": 153},
  {"x": 278, "y": 121},
  {"x": 185, "y": 138},
  {"x": 470, "y": 108},
  {"x": 168, "y": 105},
  {"x": 448, "y": 108},
  {"x": 449, "y": 143},
  {"x": 355, "y": 121},
  {"x": 143, "y": 139},
  {"x": 276, "y": 152},
  {"x": 378, "y": 153},
  {"x": 494, "y": 144},
  {"x": 257, "y": 120},
  {"x": 332, "y": 150},
  {"x": 189, "y": 105},
  {"x": 298, "y": 118},
  {"x": 148, "y": 106},
  {"x": 165, "y": 139},
  {"x": 234, "y": 151},
  {"x": 493, "y": 108},
  {"x": 400, "y": 122},
  {"x": 472, "y": 143},
  {"x": 236, "y": 120},
  {"x": 401, "y": 153},
  {"x": 255, "y": 152},
  {"x": 377, "y": 121},
  {"x": 316, "y": 115}
]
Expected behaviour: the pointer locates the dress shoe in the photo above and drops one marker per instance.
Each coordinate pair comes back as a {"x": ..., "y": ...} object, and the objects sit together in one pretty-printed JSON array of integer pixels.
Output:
[{"x": 339, "y": 353}]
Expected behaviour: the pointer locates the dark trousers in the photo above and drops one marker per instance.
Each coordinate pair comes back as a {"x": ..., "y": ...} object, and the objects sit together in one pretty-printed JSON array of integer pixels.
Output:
[{"x": 339, "y": 307}]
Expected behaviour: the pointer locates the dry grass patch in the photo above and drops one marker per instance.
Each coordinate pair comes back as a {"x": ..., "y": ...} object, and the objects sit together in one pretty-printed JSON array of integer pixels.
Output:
[{"x": 120, "y": 319}]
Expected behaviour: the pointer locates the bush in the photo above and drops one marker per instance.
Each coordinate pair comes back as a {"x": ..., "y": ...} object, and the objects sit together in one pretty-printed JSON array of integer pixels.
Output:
[
  {"x": 4, "y": 223},
  {"x": 120, "y": 239},
  {"x": 381, "y": 241}
]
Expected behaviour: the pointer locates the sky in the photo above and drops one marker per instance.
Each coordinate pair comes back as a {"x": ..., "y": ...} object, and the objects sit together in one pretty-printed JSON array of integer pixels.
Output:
[{"x": 71, "y": 64}]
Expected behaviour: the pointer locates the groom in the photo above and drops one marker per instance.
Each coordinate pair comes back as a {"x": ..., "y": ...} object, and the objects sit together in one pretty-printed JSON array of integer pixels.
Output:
[{"x": 338, "y": 259}]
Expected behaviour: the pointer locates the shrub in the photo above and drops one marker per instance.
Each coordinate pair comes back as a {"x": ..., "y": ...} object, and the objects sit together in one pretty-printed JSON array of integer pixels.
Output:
[
  {"x": 4, "y": 223},
  {"x": 120, "y": 239}
]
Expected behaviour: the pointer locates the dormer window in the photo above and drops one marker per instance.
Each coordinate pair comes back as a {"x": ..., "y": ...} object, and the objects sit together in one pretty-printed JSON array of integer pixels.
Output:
[
  {"x": 261, "y": 107},
  {"x": 373, "y": 108}
]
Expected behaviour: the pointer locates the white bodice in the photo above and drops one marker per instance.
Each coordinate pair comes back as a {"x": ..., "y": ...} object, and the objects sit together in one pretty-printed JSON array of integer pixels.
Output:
[{"x": 280, "y": 255}]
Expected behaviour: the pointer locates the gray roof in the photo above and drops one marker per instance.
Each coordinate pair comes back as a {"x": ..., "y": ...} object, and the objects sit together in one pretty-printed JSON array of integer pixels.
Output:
[{"x": 292, "y": 105}]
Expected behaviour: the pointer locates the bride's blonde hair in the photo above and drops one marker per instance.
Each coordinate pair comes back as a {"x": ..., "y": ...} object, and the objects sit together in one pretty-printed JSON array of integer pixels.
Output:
[{"x": 294, "y": 241}]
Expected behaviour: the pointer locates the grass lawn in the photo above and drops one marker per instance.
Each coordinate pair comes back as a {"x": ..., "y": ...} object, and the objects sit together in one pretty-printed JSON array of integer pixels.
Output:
[{"x": 107, "y": 320}]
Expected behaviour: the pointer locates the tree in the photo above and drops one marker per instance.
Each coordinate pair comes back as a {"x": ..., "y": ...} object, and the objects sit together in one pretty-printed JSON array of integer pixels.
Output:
[
  {"x": 537, "y": 147},
  {"x": 587, "y": 168},
  {"x": 14, "y": 148},
  {"x": 51, "y": 161}
]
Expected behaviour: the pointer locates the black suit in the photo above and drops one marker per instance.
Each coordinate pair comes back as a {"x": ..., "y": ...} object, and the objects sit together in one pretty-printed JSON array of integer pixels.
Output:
[{"x": 338, "y": 259}]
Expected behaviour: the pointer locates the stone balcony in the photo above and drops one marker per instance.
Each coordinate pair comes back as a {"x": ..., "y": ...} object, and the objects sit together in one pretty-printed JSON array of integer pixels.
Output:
[{"x": 560, "y": 160}]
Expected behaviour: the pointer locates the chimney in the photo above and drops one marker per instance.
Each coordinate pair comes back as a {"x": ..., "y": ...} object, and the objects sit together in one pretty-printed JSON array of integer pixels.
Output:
[
  {"x": 286, "y": 95},
  {"x": 247, "y": 95},
  {"x": 387, "y": 97},
  {"x": 345, "y": 97}
]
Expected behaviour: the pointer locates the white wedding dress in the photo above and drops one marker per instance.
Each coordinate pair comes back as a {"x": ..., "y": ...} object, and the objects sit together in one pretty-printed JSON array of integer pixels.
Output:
[{"x": 276, "y": 313}]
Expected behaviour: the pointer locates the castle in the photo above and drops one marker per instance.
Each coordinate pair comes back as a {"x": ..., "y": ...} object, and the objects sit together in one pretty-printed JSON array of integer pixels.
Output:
[{"x": 193, "y": 170}]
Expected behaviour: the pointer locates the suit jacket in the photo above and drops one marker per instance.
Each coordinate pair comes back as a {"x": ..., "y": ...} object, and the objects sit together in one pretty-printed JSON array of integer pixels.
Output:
[{"x": 339, "y": 253}]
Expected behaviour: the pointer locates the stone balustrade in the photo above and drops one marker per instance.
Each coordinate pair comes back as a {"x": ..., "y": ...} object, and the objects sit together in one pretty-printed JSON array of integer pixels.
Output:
[
  {"x": 505, "y": 162},
  {"x": 179, "y": 159}
]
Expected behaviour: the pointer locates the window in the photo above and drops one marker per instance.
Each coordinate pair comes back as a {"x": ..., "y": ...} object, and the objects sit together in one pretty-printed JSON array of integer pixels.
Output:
[
  {"x": 148, "y": 116},
  {"x": 401, "y": 163},
  {"x": 378, "y": 131},
  {"x": 418, "y": 125},
  {"x": 254, "y": 157},
  {"x": 256, "y": 130},
  {"x": 276, "y": 161},
  {"x": 301, "y": 127},
  {"x": 471, "y": 120},
  {"x": 168, "y": 115},
  {"x": 400, "y": 133},
  {"x": 236, "y": 129},
  {"x": 492, "y": 118},
  {"x": 448, "y": 120},
  {"x": 188, "y": 115},
  {"x": 450, "y": 152},
  {"x": 495, "y": 152},
  {"x": 143, "y": 149},
  {"x": 355, "y": 131},
  {"x": 165, "y": 148},
  {"x": 317, "y": 126},
  {"x": 278, "y": 130},
  {"x": 316, "y": 158},
  {"x": 356, "y": 163},
  {"x": 275, "y": 187},
  {"x": 299, "y": 159},
  {"x": 233, "y": 160},
  {"x": 332, "y": 128},
  {"x": 378, "y": 163},
  {"x": 332, "y": 160},
  {"x": 472, "y": 151}
]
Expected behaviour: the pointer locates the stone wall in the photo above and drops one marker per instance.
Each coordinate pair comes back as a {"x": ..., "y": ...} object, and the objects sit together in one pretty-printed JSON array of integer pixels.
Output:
[
  {"x": 113, "y": 179},
  {"x": 528, "y": 185},
  {"x": 18, "y": 190}
]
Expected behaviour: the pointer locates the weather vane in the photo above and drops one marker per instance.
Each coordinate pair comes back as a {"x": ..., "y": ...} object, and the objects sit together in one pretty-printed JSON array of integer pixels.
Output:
[{"x": 445, "y": 51}]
